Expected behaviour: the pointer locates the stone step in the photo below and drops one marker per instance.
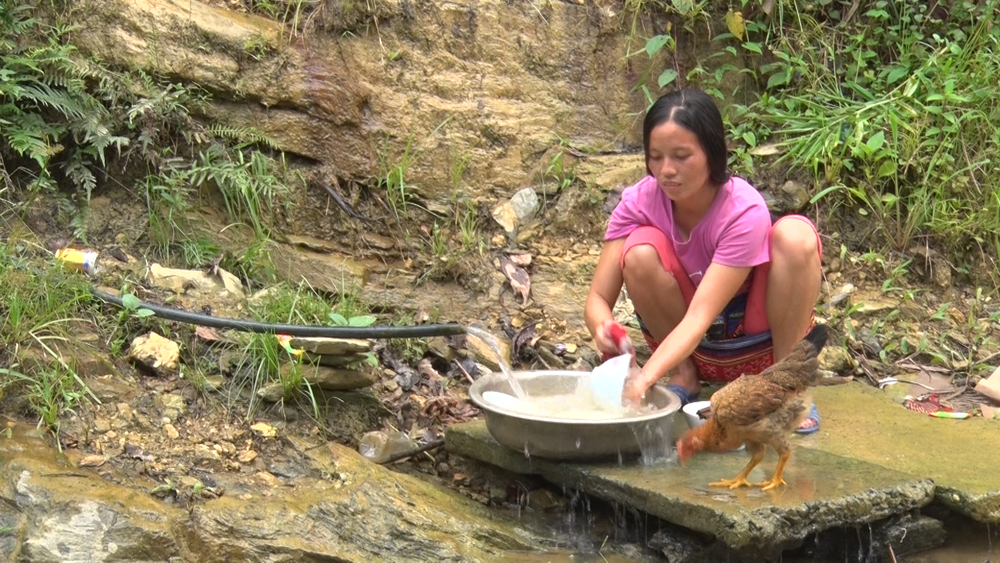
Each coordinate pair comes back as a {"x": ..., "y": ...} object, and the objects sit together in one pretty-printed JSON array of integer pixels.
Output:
[
  {"x": 960, "y": 456},
  {"x": 824, "y": 490},
  {"x": 331, "y": 346}
]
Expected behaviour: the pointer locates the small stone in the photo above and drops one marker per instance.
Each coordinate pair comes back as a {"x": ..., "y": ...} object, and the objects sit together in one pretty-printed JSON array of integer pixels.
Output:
[
  {"x": 92, "y": 461},
  {"x": 517, "y": 210},
  {"x": 203, "y": 452},
  {"x": 876, "y": 305},
  {"x": 265, "y": 429},
  {"x": 124, "y": 411},
  {"x": 836, "y": 359},
  {"x": 333, "y": 361},
  {"x": 391, "y": 385},
  {"x": 156, "y": 353},
  {"x": 227, "y": 448},
  {"x": 483, "y": 353},
  {"x": 941, "y": 272},
  {"x": 796, "y": 195},
  {"x": 332, "y": 379},
  {"x": 171, "y": 432},
  {"x": 111, "y": 435},
  {"x": 842, "y": 294},
  {"x": 102, "y": 425},
  {"x": 439, "y": 346},
  {"x": 172, "y": 405},
  {"x": 246, "y": 456},
  {"x": 331, "y": 346},
  {"x": 268, "y": 479},
  {"x": 179, "y": 281}
]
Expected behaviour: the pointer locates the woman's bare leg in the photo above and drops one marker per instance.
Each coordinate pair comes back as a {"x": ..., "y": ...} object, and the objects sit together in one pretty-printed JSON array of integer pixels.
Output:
[
  {"x": 658, "y": 300},
  {"x": 793, "y": 286}
]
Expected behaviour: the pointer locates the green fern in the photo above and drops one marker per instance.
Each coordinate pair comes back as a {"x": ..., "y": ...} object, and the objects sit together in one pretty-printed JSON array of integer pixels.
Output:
[{"x": 246, "y": 135}]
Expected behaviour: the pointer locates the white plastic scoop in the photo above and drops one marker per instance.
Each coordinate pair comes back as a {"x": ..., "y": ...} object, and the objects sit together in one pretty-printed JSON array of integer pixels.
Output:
[{"x": 607, "y": 382}]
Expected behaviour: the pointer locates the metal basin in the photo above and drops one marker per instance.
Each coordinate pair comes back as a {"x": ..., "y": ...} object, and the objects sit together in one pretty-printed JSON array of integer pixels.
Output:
[{"x": 572, "y": 439}]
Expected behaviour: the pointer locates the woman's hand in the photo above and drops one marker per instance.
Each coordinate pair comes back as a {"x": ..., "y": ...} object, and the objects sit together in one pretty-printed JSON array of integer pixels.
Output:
[
  {"x": 612, "y": 340},
  {"x": 635, "y": 387}
]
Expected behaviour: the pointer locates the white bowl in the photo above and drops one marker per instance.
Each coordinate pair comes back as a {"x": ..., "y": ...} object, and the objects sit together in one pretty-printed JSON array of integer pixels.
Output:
[{"x": 691, "y": 412}]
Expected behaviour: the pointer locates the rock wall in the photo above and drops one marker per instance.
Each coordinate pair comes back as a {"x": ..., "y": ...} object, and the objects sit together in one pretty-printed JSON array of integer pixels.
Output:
[
  {"x": 344, "y": 509},
  {"x": 483, "y": 87}
]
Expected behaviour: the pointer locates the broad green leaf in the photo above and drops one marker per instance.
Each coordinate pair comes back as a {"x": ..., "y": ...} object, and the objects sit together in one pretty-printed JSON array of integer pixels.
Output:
[
  {"x": 888, "y": 168},
  {"x": 130, "y": 301},
  {"x": 338, "y": 319},
  {"x": 896, "y": 73},
  {"x": 667, "y": 77},
  {"x": 750, "y": 138},
  {"x": 655, "y": 43},
  {"x": 875, "y": 142},
  {"x": 777, "y": 79},
  {"x": 755, "y": 47},
  {"x": 143, "y": 313},
  {"x": 363, "y": 320}
]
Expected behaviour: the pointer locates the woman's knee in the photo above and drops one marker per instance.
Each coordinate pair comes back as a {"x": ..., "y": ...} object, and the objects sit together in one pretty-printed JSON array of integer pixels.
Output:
[
  {"x": 794, "y": 241},
  {"x": 641, "y": 265}
]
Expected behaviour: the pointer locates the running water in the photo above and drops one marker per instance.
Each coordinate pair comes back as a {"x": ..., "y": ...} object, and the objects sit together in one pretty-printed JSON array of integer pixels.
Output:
[{"x": 494, "y": 345}]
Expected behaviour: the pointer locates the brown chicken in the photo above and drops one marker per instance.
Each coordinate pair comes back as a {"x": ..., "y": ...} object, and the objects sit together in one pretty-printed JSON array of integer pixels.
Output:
[{"x": 759, "y": 410}]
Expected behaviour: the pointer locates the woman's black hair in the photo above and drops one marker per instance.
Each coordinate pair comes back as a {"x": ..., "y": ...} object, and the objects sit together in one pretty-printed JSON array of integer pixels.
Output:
[{"x": 695, "y": 111}]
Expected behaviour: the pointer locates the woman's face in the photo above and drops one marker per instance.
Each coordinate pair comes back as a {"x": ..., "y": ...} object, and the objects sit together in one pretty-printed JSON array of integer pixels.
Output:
[{"x": 677, "y": 161}]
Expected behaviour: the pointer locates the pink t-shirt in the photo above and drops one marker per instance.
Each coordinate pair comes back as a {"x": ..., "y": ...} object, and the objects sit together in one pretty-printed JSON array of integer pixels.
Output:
[{"x": 732, "y": 233}]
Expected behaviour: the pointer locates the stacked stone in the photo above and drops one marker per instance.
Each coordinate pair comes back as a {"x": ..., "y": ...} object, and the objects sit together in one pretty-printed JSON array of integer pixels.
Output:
[{"x": 331, "y": 364}]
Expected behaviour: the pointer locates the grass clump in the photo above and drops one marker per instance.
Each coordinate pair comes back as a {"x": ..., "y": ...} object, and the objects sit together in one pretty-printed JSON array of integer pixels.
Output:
[
  {"x": 889, "y": 106},
  {"x": 42, "y": 311},
  {"x": 262, "y": 359}
]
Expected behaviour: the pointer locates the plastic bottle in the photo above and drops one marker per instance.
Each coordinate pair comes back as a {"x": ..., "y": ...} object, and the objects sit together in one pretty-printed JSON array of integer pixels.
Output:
[{"x": 380, "y": 445}]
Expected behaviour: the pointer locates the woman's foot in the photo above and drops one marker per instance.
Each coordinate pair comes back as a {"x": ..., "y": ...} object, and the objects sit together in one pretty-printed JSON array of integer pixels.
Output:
[
  {"x": 810, "y": 423},
  {"x": 684, "y": 381}
]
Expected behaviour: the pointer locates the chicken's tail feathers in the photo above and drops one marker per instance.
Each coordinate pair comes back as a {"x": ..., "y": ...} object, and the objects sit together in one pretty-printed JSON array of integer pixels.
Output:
[{"x": 817, "y": 336}]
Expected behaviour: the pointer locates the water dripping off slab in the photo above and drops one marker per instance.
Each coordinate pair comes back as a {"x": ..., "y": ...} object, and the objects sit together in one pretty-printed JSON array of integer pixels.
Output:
[{"x": 824, "y": 490}]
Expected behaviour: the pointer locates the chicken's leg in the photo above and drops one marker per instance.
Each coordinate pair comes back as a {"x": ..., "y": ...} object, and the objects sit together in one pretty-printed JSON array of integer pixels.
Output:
[
  {"x": 776, "y": 480},
  {"x": 757, "y": 454}
]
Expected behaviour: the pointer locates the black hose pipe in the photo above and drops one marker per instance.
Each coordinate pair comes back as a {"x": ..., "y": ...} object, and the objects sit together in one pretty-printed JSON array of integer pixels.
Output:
[{"x": 419, "y": 331}]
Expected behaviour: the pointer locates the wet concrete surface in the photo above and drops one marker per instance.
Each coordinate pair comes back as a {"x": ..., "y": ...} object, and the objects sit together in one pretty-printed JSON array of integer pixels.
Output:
[
  {"x": 824, "y": 490},
  {"x": 960, "y": 456}
]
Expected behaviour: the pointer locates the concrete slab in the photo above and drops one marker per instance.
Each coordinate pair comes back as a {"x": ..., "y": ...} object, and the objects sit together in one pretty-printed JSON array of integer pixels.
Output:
[
  {"x": 960, "y": 456},
  {"x": 824, "y": 490}
]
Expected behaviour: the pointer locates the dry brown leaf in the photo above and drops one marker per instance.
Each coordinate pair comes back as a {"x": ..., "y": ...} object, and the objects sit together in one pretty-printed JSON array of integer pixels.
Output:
[
  {"x": 518, "y": 278},
  {"x": 208, "y": 334},
  {"x": 93, "y": 461}
]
